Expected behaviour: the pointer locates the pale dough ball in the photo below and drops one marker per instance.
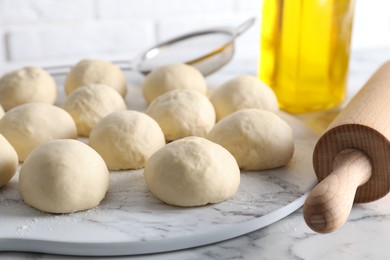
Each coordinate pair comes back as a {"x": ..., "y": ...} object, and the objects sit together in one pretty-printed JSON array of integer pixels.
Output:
[
  {"x": 170, "y": 77},
  {"x": 88, "y": 72},
  {"x": 27, "y": 85},
  {"x": 63, "y": 176},
  {"x": 1, "y": 112},
  {"x": 258, "y": 139},
  {"x": 126, "y": 139},
  {"x": 29, "y": 125},
  {"x": 182, "y": 113},
  {"x": 191, "y": 172},
  {"x": 8, "y": 161},
  {"x": 89, "y": 104},
  {"x": 243, "y": 92}
]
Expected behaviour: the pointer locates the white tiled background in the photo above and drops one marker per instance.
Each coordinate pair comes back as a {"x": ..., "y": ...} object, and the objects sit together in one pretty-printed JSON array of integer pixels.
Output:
[{"x": 45, "y": 32}]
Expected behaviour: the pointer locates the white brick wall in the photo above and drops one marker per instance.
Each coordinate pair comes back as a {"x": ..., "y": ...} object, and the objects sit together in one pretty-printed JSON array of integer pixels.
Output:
[
  {"x": 43, "y": 32},
  {"x": 2, "y": 51},
  {"x": 157, "y": 9},
  {"x": 32, "y": 11},
  {"x": 77, "y": 39}
]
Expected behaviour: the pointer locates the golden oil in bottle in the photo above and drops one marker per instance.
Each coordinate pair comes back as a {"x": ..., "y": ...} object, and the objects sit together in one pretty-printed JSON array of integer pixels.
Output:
[{"x": 305, "y": 48}]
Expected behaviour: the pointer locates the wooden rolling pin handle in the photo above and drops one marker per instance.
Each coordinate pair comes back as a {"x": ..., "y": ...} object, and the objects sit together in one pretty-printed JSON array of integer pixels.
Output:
[{"x": 328, "y": 205}]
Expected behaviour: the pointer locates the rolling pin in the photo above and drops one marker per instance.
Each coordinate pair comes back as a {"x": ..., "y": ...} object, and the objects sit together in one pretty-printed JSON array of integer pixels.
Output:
[{"x": 352, "y": 158}]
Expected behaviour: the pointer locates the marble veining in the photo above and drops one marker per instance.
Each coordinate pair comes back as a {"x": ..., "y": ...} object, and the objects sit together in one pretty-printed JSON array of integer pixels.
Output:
[
  {"x": 130, "y": 214},
  {"x": 364, "y": 236}
]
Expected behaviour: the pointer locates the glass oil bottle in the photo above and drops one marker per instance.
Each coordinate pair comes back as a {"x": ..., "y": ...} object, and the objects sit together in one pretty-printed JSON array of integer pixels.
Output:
[{"x": 305, "y": 46}]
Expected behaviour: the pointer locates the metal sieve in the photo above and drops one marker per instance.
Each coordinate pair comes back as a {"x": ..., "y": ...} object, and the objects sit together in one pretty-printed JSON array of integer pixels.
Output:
[{"x": 207, "y": 50}]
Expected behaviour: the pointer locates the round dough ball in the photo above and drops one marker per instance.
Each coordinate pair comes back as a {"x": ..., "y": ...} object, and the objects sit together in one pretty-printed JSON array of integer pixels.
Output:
[
  {"x": 29, "y": 125},
  {"x": 126, "y": 139},
  {"x": 182, "y": 113},
  {"x": 88, "y": 72},
  {"x": 258, "y": 139},
  {"x": 243, "y": 92},
  {"x": 191, "y": 172},
  {"x": 27, "y": 85},
  {"x": 63, "y": 176},
  {"x": 170, "y": 77},
  {"x": 8, "y": 161},
  {"x": 89, "y": 104},
  {"x": 1, "y": 112}
]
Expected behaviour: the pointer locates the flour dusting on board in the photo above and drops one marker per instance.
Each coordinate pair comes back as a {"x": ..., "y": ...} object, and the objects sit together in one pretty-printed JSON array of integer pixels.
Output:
[{"x": 130, "y": 213}]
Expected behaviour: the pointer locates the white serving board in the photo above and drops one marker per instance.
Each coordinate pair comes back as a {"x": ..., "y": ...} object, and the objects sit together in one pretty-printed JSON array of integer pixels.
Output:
[{"x": 130, "y": 220}]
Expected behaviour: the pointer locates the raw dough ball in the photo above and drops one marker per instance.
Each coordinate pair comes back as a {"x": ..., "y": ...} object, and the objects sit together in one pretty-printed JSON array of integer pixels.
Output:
[
  {"x": 29, "y": 125},
  {"x": 88, "y": 72},
  {"x": 170, "y": 77},
  {"x": 8, "y": 161},
  {"x": 27, "y": 85},
  {"x": 88, "y": 104},
  {"x": 243, "y": 92},
  {"x": 126, "y": 139},
  {"x": 182, "y": 113},
  {"x": 63, "y": 176},
  {"x": 191, "y": 172},
  {"x": 1, "y": 112},
  {"x": 258, "y": 139}
]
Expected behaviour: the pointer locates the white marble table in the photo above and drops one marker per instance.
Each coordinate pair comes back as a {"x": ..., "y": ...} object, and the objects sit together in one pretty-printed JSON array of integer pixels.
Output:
[{"x": 364, "y": 236}]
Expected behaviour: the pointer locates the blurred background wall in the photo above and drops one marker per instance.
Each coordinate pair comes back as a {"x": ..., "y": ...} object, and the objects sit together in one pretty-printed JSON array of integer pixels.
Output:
[{"x": 49, "y": 32}]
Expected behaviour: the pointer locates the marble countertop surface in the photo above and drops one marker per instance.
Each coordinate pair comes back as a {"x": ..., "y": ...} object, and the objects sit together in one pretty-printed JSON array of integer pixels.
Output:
[{"x": 364, "y": 236}]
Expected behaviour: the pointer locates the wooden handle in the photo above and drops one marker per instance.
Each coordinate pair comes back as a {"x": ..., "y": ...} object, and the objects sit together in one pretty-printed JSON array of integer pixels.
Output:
[
  {"x": 364, "y": 126},
  {"x": 328, "y": 205}
]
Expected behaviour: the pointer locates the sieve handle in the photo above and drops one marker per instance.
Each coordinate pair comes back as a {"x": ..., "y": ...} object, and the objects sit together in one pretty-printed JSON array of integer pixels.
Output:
[
  {"x": 58, "y": 70},
  {"x": 243, "y": 27}
]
